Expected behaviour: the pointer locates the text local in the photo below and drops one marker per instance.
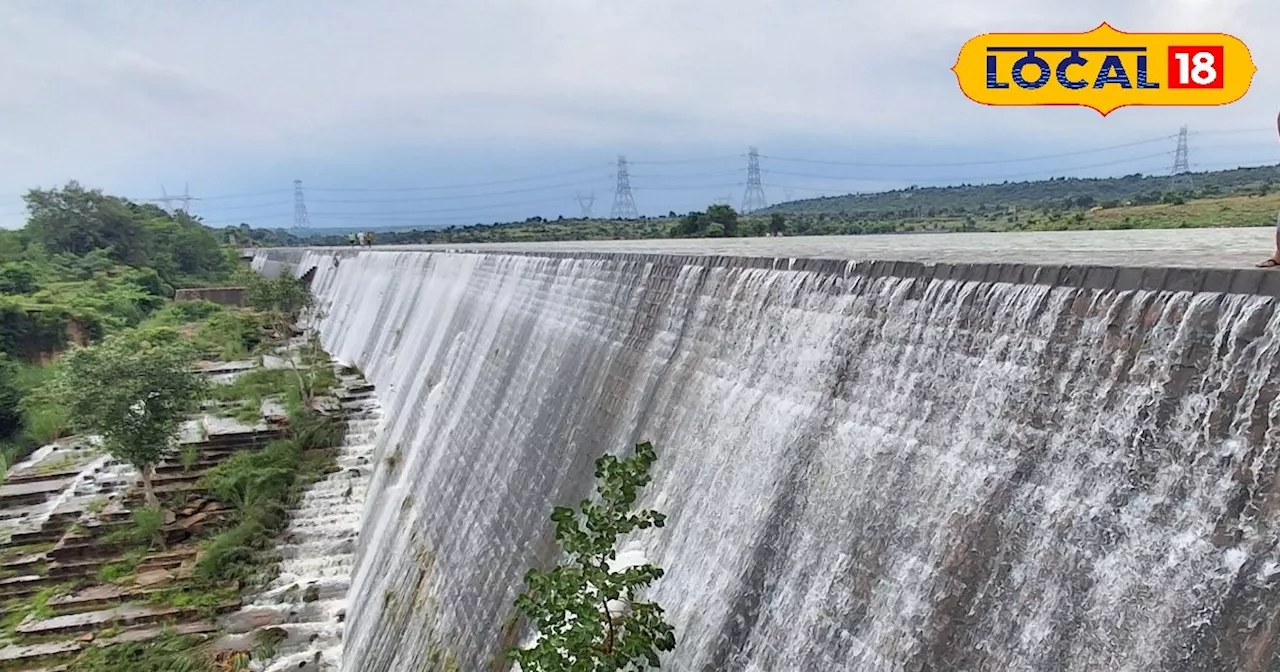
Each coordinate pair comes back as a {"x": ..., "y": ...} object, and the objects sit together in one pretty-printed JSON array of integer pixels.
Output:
[{"x": 1111, "y": 72}]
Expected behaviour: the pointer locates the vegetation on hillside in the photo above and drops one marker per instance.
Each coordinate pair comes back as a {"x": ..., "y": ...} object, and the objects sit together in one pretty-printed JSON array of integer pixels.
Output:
[
  {"x": 91, "y": 340},
  {"x": 86, "y": 266},
  {"x": 585, "y": 610},
  {"x": 1248, "y": 195}
]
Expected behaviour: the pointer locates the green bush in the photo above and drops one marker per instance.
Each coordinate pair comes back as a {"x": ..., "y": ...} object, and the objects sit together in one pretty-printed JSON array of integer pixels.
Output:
[
  {"x": 18, "y": 278},
  {"x": 231, "y": 334},
  {"x": 260, "y": 485},
  {"x": 10, "y": 398}
]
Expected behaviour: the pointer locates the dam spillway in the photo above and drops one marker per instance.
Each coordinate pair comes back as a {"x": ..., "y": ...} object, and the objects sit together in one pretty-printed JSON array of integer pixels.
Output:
[{"x": 892, "y": 466}]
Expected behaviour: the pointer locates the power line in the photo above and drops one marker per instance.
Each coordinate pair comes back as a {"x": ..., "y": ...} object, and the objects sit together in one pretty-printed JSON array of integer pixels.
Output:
[
  {"x": 708, "y": 159},
  {"x": 685, "y": 176},
  {"x": 514, "y": 180},
  {"x": 364, "y": 199},
  {"x": 1043, "y": 157},
  {"x": 454, "y": 197},
  {"x": 971, "y": 180},
  {"x": 499, "y": 212}
]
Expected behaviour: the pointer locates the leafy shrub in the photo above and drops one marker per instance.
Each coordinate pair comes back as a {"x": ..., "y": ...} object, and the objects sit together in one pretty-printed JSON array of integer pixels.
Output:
[
  {"x": 230, "y": 333},
  {"x": 586, "y": 612},
  {"x": 10, "y": 398},
  {"x": 260, "y": 485},
  {"x": 18, "y": 278},
  {"x": 147, "y": 528}
]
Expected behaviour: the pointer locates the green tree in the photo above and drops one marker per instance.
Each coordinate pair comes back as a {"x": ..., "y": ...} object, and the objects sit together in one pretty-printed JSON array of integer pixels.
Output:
[
  {"x": 76, "y": 220},
  {"x": 18, "y": 278},
  {"x": 134, "y": 393},
  {"x": 284, "y": 298},
  {"x": 181, "y": 246},
  {"x": 725, "y": 216},
  {"x": 587, "y": 617},
  {"x": 777, "y": 223}
]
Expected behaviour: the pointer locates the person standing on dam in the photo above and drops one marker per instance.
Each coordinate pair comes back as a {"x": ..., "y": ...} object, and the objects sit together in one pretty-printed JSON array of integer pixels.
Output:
[{"x": 1275, "y": 256}]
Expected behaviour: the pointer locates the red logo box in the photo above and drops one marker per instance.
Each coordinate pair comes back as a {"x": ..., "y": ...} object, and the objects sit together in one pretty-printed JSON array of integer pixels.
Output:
[{"x": 1195, "y": 67}]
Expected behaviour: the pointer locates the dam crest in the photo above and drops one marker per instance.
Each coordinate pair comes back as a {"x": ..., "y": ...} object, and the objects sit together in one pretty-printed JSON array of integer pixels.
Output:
[{"x": 866, "y": 465}]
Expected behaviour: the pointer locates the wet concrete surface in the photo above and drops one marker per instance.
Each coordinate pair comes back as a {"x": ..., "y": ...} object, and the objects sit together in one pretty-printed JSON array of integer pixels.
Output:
[{"x": 1195, "y": 248}]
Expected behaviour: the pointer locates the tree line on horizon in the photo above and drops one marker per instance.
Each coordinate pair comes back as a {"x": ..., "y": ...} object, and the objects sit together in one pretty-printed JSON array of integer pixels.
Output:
[{"x": 1052, "y": 204}]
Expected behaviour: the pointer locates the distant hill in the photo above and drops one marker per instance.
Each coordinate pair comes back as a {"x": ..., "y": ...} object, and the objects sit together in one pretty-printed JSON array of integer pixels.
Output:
[
  {"x": 1239, "y": 197},
  {"x": 1055, "y": 193}
]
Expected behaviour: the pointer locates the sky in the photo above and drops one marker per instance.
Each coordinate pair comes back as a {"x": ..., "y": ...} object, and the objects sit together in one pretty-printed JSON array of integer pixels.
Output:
[{"x": 396, "y": 113}]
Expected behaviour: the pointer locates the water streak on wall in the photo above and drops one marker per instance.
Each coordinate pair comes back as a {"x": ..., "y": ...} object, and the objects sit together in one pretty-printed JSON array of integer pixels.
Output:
[{"x": 860, "y": 473}]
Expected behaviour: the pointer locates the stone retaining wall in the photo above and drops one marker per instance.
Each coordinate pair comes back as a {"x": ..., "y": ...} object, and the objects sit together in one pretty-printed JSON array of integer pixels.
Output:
[{"x": 226, "y": 296}]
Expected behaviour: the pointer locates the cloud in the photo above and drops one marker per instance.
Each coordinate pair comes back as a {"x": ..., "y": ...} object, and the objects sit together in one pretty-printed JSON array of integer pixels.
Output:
[{"x": 123, "y": 94}]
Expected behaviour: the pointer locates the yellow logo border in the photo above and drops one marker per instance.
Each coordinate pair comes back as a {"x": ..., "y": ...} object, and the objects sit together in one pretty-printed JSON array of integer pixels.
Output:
[{"x": 1105, "y": 27}]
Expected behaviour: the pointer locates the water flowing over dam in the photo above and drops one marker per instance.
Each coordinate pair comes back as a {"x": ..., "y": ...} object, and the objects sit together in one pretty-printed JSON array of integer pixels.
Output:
[{"x": 865, "y": 466}]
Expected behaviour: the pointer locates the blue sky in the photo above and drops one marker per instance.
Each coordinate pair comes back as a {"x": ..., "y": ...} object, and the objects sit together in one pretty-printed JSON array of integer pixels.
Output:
[{"x": 398, "y": 112}]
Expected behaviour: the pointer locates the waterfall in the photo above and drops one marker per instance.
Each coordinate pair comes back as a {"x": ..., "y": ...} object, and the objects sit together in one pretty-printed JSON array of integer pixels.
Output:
[
  {"x": 307, "y": 601},
  {"x": 859, "y": 473}
]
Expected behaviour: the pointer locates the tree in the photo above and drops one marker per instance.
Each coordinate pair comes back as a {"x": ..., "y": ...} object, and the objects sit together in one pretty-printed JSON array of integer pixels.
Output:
[
  {"x": 585, "y": 610},
  {"x": 285, "y": 298},
  {"x": 78, "y": 220},
  {"x": 777, "y": 223},
  {"x": 18, "y": 278},
  {"x": 134, "y": 393},
  {"x": 726, "y": 217}
]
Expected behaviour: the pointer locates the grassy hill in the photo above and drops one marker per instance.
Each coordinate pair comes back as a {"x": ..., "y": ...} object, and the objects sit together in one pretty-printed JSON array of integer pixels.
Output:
[
  {"x": 1240, "y": 197},
  {"x": 1061, "y": 193}
]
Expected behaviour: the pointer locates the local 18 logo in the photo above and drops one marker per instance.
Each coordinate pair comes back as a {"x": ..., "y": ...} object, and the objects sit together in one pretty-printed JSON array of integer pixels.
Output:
[{"x": 1104, "y": 69}]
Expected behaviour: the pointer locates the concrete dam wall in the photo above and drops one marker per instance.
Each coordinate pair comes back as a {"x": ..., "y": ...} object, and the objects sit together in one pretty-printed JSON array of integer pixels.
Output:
[{"x": 865, "y": 466}]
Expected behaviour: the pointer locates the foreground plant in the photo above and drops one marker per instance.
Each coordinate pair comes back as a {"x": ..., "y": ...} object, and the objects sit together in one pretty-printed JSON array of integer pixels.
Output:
[{"x": 587, "y": 617}]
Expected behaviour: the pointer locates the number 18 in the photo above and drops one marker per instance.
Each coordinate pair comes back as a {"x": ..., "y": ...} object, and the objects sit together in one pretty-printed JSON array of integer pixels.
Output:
[{"x": 1195, "y": 67}]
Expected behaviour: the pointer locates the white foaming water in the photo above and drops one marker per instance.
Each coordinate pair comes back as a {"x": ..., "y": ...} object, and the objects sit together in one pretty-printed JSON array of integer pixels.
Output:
[
  {"x": 859, "y": 473},
  {"x": 96, "y": 474},
  {"x": 308, "y": 600}
]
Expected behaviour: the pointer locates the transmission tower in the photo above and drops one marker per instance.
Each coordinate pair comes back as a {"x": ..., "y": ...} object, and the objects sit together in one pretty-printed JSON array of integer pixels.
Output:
[
  {"x": 300, "y": 220},
  {"x": 624, "y": 204},
  {"x": 1181, "y": 165},
  {"x": 753, "y": 199},
  {"x": 587, "y": 201},
  {"x": 186, "y": 198},
  {"x": 788, "y": 194},
  {"x": 165, "y": 198}
]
